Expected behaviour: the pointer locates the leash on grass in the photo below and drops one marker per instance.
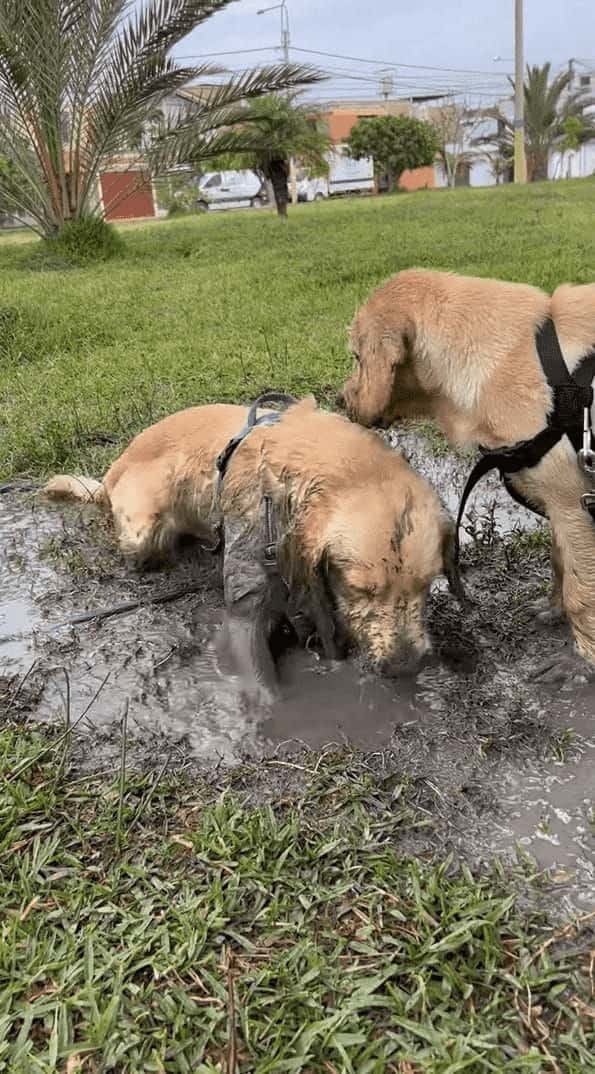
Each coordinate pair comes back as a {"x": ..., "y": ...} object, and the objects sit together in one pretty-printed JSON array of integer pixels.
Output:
[
  {"x": 102, "y": 613},
  {"x": 20, "y": 487}
]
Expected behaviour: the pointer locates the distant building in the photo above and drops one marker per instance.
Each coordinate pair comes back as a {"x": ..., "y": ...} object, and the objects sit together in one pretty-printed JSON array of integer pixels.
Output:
[{"x": 342, "y": 115}]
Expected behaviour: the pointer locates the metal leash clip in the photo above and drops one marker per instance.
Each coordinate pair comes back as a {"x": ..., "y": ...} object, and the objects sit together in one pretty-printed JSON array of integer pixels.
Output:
[{"x": 586, "y": 455}]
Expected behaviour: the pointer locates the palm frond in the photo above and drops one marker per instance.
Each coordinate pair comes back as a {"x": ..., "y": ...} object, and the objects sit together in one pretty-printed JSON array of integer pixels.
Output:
[{"x": 82, "y": 81}]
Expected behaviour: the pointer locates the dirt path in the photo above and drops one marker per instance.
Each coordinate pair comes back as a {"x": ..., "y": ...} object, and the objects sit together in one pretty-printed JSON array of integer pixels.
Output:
[{"x": 494, "y": 760}]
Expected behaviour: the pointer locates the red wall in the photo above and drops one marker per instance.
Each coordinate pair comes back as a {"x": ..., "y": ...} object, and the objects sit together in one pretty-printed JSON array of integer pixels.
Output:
[{"x": 138, "y": 203}]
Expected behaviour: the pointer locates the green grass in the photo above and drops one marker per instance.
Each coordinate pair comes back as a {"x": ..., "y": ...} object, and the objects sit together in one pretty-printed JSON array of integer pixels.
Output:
[
  {"x": 221, "y": 307},
  {"x": 162, "y": 927}
]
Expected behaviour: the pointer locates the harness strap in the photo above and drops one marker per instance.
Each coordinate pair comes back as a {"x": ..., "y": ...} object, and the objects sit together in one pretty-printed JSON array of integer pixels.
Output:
[
  {"x": 270, "y": 531},
  {"x": 572, "y": 392},
  {"x": 224, "y": 457},
  {"x": 572, "y": 395}
]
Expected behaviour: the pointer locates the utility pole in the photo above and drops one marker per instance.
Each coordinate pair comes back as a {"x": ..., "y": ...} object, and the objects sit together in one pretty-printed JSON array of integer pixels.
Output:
[
  {"x": 285, "y": 42},
  {"x": 520, "y": 164},
  {"x": 386, "y": 86}
]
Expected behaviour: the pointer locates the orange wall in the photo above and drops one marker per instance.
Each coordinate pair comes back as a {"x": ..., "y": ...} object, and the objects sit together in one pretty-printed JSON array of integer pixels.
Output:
[
  {"x": 340, "y": 124},
  {"x": 418, "y": 179}
]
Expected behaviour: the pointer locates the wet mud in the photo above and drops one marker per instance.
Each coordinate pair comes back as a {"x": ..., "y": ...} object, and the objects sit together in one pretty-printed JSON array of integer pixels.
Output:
[{"x": 499, "y": 762}]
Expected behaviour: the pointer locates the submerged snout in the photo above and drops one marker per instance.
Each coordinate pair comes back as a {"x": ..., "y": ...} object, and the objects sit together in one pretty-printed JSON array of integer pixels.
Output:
[{"x": 408, "y": 660}]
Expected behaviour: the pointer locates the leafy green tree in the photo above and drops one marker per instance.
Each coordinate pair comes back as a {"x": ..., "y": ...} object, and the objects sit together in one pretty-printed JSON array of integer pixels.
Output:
[
  {"x": 397, "y": 143},
  {"x": 84, "y": 81}
]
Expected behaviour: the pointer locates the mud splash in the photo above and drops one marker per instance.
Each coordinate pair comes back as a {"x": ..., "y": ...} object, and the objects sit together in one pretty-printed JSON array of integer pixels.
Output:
[{"x": 497, "y": 764}]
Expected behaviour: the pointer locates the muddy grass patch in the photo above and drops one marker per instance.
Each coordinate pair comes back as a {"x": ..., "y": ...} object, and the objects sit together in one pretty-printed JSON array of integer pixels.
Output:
[{"x": 167, "y": 923}]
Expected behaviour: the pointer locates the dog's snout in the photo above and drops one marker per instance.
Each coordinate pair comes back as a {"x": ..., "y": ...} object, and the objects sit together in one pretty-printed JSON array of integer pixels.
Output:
[{"x": 408, "y": 661}]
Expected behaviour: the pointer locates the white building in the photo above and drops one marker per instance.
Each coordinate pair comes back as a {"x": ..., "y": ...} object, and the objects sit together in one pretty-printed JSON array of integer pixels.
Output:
[{"x": 576, "y": 163}]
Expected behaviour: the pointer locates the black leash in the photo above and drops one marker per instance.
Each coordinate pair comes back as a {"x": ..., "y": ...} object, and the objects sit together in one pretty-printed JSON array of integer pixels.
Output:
[
  {"x": 102, "y": 613},
  {"x": 20, "y": 487},
  {"x": 572, "y": 396}
]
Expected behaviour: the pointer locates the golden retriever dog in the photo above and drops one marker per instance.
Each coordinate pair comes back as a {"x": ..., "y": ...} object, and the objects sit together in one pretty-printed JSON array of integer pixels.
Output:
[
  {"x": 462, "y": 350},
  {"x": 361, "y": 535}
]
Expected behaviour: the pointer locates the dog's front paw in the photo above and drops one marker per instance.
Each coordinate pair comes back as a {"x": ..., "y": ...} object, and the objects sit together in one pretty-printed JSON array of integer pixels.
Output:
[{"x": 564, "y": 670}]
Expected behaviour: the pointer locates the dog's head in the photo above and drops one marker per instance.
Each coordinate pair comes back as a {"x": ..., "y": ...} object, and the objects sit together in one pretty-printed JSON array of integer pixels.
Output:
[
  {"x": 384, "y": 384},
  {"x": 382, "y": 548}
]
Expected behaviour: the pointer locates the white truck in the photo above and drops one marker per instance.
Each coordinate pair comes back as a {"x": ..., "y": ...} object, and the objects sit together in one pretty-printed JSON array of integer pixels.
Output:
[{"x": 345, "y": 176}]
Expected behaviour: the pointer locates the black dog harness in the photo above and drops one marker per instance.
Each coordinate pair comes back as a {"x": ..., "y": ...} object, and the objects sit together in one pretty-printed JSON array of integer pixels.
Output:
[
  {"x": 570, "y": 416},
  {"x": 224, "y": 457}
]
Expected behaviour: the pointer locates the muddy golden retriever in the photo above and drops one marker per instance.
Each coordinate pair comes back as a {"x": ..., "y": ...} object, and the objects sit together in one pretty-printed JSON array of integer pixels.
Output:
[
  {"x": 362, "y": 535},
  {"x": 463, "y": 351}
]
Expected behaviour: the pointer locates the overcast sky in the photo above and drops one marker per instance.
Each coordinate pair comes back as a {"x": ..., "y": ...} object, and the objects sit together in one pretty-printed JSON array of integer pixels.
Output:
[{"x": 465, "y": 34}]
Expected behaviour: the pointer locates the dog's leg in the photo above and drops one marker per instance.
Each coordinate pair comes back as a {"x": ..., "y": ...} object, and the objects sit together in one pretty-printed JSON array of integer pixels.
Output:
[
  {"x": 143, "y": 526},
  {"x": 549, "y": 611},
  {"x": 574, "y": 539},
  {"x": 254, "y": 605},
  {"x": 556, "y": 598}
]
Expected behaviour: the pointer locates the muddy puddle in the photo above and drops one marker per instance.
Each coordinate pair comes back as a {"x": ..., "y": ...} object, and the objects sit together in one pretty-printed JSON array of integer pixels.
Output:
[{"x": 499, "y": 763}]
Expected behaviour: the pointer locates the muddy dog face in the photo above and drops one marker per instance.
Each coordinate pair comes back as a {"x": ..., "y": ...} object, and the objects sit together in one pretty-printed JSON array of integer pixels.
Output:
[
  {"x": 383, "y": 385},
  {"x": 379, "y": 564}
]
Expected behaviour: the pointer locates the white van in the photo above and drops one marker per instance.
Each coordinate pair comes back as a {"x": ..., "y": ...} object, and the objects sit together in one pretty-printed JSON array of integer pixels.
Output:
[
  {"x": 230, "y": 190},
  {"x": 345, "y": 176}
]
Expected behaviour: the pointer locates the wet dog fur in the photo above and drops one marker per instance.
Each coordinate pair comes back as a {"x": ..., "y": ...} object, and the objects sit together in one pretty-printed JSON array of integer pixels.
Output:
[
  {"x": 363, "y": 534},
  {"x": 462, "y": 350}
]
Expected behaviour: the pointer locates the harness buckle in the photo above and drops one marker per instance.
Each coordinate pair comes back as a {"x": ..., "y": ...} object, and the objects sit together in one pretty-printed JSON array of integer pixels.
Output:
[
  {"x": 588, "y": 502},
  {"x": 586, "y": 455},
  {"x": 270, "y": 555}
]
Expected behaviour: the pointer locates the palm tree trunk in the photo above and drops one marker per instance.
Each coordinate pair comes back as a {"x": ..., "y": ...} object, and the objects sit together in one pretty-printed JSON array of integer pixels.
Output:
[{"x": 278, "y": 173}]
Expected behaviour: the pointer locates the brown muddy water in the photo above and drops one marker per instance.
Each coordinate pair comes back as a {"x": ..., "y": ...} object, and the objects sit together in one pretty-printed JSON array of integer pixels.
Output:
[{"x": 501, "y": 761}]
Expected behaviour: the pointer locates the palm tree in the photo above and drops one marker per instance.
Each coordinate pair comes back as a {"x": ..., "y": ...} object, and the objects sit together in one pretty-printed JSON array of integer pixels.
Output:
[
  {"x": 282, "y": 129},
  {"x": 548, "y": 106},
  {"x": 84, "y": 81}
]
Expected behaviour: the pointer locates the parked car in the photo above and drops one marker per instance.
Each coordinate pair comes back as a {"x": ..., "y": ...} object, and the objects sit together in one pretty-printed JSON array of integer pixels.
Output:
[
  {"x": 230, "y": 190},
  {"x": 345, "y": 176}
]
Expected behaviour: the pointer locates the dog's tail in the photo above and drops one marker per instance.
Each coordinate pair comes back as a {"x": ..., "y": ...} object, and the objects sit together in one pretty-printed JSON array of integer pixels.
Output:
[{"x": 69, "y": 487}]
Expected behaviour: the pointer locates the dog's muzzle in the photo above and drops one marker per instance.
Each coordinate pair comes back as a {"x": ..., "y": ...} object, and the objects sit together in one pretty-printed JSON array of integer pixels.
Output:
[{"x": 407, "y": 662}]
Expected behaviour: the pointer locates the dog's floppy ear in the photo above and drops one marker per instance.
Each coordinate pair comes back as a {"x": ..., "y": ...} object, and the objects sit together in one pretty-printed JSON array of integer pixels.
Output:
[
  {"x": 323, "y": 609},
  {"x": 378, "y": 340},
  {"x": 450, "y": 565},
  {"x": 392, "y": 347}
]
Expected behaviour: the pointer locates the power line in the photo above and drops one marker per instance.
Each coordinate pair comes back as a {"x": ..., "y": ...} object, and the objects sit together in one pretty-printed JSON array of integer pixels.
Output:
[
  {"x": 353, "y": 59},
  {"x": 397, "y": 63},
  {"x": 232, "y": 52}
]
